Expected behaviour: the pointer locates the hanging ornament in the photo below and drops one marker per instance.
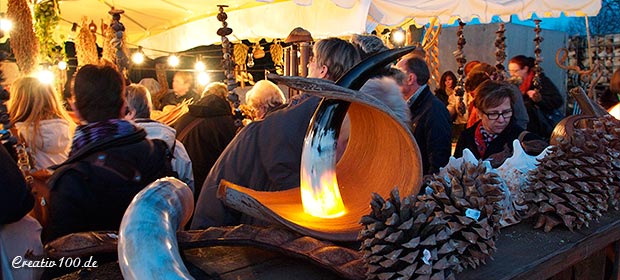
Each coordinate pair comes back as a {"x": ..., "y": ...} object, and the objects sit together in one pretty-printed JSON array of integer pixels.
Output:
[
  {"x": 537, "y": 70},
  {"x": 92, "y": 27},
  {"x": 500, "y": 52},
  {"x": 257, "y": 51},
  {"x": 228, "y": 64},
  {"x": 86, "y": 46},
  {"x": 460, "y": 60},
  {"x": 240, "y": 52},
  {"x": 250, "y": 61},
  {"x": 115, "y": 48},
  {"x": 277, "y": 56},
  {"x": 24, "y": 43}
]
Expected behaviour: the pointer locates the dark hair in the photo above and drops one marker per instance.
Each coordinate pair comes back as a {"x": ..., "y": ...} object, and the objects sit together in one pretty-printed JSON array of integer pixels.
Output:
[
  {"x": 444, "y": 77},
  {"x": 492, "y": 93},
  {"x": 417, "y": 66},
  {"x": 474, "y": 79},
  {"x": 98, "y": 92},
  {"x": 523, "y": 61}
]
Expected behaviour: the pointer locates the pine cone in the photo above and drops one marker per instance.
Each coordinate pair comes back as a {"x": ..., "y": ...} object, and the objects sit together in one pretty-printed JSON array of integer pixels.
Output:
[
  {"x": 573, "y": 183},
  {"x": 433, "y": 236},
  {"x": 471, "y": 190},
  {"x": 611, "y": 127}
]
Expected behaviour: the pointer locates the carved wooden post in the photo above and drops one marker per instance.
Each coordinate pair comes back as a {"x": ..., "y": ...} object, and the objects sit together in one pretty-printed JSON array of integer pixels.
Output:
[{"x": 304, "y": 59}]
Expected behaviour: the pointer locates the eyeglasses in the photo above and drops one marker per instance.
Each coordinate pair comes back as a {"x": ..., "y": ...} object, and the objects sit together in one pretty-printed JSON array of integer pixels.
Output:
[{"x": 494, "y": 115}]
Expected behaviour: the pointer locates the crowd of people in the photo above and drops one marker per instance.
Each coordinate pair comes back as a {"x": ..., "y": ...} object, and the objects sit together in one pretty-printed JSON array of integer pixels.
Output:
[{"x": 102, "y": 159}]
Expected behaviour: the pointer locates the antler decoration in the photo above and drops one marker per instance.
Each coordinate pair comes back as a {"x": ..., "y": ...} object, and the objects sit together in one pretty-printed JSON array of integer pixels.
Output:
[
  {"x": 560, "y": 60},
  {"x": 228, "y": 64},
  {"x": 500, "y": 52},
  {"x": 460, "y": 60}
]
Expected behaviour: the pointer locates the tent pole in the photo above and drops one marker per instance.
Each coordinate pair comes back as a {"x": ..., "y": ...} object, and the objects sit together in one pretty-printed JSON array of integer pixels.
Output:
[{"x": 588, "y": 37}]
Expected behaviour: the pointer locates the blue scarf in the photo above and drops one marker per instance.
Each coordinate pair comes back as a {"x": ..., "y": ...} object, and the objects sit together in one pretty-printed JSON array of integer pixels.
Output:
[{"x": 98, "y": 131}]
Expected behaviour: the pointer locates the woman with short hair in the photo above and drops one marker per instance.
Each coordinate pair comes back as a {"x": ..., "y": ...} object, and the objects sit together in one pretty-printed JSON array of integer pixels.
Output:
[
  {"x": 495, "y": 130},
  {"x": 264, "y": 98}
]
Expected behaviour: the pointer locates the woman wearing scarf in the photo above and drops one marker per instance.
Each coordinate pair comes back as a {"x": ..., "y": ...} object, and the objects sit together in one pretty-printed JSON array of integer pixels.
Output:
[
  {"x": 496, "y": 130},
  {"x": 539, "y": 104}
]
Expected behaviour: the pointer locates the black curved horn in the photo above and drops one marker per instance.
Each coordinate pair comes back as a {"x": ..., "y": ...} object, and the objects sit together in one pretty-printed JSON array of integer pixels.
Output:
[{"x": 360, "y": 73}]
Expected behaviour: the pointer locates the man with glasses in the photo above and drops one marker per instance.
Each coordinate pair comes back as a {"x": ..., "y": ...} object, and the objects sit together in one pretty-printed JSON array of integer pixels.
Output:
[{"x": 495, "y": 130}]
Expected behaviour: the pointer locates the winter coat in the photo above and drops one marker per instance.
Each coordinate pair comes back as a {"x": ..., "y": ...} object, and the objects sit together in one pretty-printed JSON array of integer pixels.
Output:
[
  {"x": 93, "y": 188},
  {"x": 432, "y": 129},
  {"x": 53, "y": 142},
  {"x": 551, "y": 101},
  {"x": 181, "y": 163},
  {"x": 206, "y": 140},
  {"x": 15, "y": 197}
]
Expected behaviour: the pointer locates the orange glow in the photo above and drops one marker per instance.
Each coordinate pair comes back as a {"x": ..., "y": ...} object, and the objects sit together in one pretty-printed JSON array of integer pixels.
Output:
[
  {"x": 615, "y": 111},
  {"x": 324, "y": 200}
]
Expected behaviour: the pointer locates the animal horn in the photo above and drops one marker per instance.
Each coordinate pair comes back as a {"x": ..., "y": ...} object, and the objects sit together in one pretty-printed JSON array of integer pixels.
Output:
[
  {"x": 318, "y": 157},
  {"x": 152, "y": 220},
  {"x": 360, "y": 73}
]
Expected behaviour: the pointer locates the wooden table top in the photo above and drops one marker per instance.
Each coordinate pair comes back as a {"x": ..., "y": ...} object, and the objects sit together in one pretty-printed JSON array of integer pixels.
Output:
[{"x": 522, "y": 253}]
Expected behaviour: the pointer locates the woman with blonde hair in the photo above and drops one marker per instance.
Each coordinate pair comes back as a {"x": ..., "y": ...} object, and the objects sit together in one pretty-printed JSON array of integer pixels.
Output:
[
  {"x": 264, "y": 98},
  {"x": 41, "y": 121}
]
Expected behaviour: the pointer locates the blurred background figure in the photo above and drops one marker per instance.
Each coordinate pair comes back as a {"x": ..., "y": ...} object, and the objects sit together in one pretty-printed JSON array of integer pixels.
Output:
[
  {"x": 543, "y": 107},
  {"x": 139, "y": 110},
  {"x": 154, "y": 88},
  {"x": 446, "y": 88},
  {"x": 182, "y": 89},
  {"x": 206, "y": 130},
  {"x": 264, "y": 98},
  {"x": 42, "y": 122}
]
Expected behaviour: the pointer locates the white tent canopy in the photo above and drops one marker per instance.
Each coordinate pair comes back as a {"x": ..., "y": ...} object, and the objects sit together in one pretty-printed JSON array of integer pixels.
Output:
[{"x": 174, "y": 26}]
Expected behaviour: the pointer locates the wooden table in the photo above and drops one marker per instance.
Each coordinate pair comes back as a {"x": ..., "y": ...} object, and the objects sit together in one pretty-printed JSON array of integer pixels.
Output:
[
  {"x": 522, "y": 253},
  {"x": 525, "y": 253}
]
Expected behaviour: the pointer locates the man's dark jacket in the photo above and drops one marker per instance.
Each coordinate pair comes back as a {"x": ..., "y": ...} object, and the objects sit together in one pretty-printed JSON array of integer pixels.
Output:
[
  {"x": 432, "y": 129},
  {"x": 93, "y": 188}
]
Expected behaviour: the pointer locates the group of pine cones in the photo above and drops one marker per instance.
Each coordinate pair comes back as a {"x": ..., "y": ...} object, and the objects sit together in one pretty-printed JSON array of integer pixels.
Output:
[
  {"x": 437, "y": 234},
  {"x": 455, "y": 224},
  {"x": 579, "y": 179}
]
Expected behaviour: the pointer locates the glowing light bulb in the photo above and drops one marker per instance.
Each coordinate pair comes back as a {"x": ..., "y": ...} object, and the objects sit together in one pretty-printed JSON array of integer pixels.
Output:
[
  {"x": 45, "y": 76},
  {"x": 398, "y": 36},
  {"x": 137, "y": 57},
  {"x": 200, "y": 66},
  {"x": 6, "y": 25},
  {"x": 203, "y": 78},
  {"x": 173, "y": 60},
  {"x": 62, "y": 65}
]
